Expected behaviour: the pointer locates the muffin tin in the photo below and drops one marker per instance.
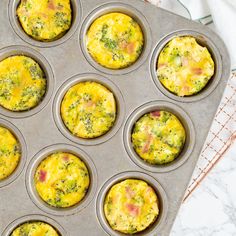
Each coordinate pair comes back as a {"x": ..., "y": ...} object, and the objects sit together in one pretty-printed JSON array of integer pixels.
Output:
[{"x": 110, "y": 158}]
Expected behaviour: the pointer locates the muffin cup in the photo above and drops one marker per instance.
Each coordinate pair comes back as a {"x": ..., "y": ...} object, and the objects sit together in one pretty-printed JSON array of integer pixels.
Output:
[
  {"x": 95, "y": 78},
  {"x": 202, "y": 40},
  {"x": 22, "y": 161},
  {"x": 44, "y": 64},
  {"x": 76, "y": 8},
  {"x": 125, "y": 9},
  {"x": 162, "y": 197},
  {"x": 33, "y": 218},
  {"x": 184, "y": 119},
  {"x": 33, "y": 192}
]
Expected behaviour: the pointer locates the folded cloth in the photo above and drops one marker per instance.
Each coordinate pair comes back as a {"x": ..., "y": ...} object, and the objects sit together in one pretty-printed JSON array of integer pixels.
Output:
[{"x": 222, "y": 12}]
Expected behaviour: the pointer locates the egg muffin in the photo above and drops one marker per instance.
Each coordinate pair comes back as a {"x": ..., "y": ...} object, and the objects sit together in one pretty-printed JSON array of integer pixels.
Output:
[
  {"x": 184, "y": 66},
  {"x": 115, "y": 40},
  {"x": 158, "y": 137},
  {"x": 131, "y": 206},
  {"x": 10, "y": 153},
  {"x": 22, "y": 83},
  {"x": 62, "y": 180},
  {"x": 45, "y": 20},
  {"x": 88, "y": 110},
  {"x": 36, "y": 228}
]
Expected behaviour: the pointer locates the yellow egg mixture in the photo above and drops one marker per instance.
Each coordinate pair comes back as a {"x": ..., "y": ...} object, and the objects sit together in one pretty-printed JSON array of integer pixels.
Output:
[
  {"x": 158, "y": 137},
  {"x": 10, "y": 153},
  {"x": 35, "y": 229},
  {"x": 184, "y": 66},
  {"x": 115, "y": 40},
  {"x": 62, "y": 180},
  {"x": 131, "y": 206},
  {"x": 45, "y": 20},
  {"x": 88, "y": 109},
  {"x": 22, "y": 83}
]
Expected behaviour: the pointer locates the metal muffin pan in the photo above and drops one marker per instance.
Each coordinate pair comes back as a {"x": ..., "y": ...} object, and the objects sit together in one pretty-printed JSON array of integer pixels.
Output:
[{"x": 109, "y": 158}]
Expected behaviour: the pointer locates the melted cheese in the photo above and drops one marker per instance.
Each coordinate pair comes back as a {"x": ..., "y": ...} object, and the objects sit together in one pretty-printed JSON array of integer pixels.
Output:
[
  {"x": 131, "y": 206},
  {"x": 22, "y": 83},
  {"x": 45, "y": 20},
  {"x": 10, "y": 153},
  {"x": 184, "y": 66},
  {"x": 35, "y": 229},
  {"x": 62, "y": 180},
  {"x": 158, "y": 137},
  {"x": 115, "y": 40},
  {"x": 88, "y": 110}
]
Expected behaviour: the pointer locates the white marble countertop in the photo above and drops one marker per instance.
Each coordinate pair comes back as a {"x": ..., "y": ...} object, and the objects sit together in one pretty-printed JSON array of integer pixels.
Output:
[{"x": 211, "y": 209}]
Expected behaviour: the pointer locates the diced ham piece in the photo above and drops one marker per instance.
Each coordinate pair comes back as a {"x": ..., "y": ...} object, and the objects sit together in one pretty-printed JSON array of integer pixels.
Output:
[
  {"x": 90, "y": 103},
  {"x": 160, "y": 65},
  {"x": 129, "y": 192},
  {"x": 66, "y": 158},
  {"x": 147, "y": 144},
  {"x": 184, "y": 61},
  {"x": 51, "y": 5},
  {"x": 132, "y": 209},
  {"x": 115, "y": 199},
  {"x": 197, "y": 71},
  {"x": 185, "y": 90},
  {"x": 42, "y": 175},
  {"x": 155, "y": 113},
  {"x": 130, "y": 48}
]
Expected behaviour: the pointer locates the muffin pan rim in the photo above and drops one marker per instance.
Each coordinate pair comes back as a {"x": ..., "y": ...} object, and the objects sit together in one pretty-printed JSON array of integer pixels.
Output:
[
  {"x": 214, "y": 52},
  {"x": 22, "y": 162},
  {"x": 139, "y": 175},
  {"x": 120, "y": 107},
  {"x": 32, "y": 218},
  {"x": 124, "y": 8},
  {"x": 39, "y": 157},
  {"x": 185, "y": 121},
  {"x": 20, "y": 50},
  {"x": 76, "y": 7}
]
